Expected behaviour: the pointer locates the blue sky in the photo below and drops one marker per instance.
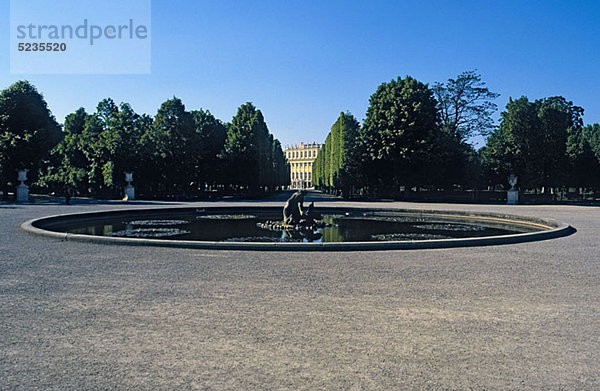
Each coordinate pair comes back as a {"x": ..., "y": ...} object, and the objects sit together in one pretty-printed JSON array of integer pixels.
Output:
[{"x": 303, "y": 62}]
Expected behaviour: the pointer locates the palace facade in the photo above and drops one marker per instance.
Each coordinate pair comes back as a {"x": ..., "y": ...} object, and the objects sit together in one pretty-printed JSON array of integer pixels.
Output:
[{"x": 301, "y": 158}]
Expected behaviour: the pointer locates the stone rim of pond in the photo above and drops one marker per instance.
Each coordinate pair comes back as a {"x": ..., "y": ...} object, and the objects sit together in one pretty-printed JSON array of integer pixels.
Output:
[{"x": 548, "y": 229}]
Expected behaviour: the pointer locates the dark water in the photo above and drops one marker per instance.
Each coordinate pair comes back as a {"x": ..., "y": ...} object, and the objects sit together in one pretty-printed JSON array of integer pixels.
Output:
[{"x": 243, "y": 227}]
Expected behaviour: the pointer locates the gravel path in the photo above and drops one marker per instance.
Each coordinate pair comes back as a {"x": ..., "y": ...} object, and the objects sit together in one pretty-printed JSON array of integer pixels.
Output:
[{"x": 86, "y": 316}]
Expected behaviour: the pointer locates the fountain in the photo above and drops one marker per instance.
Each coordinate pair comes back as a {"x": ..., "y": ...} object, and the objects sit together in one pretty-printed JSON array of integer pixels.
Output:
[
  {"x": 297, "y": 222},
  {"x": 298, "y": 228}
]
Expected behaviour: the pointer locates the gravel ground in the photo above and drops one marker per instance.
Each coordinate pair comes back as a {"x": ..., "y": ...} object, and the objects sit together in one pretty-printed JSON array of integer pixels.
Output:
[{"x": 87, "y": 316}]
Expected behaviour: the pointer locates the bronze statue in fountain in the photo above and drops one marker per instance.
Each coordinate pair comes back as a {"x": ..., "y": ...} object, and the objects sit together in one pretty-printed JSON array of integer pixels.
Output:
[
  {"x": 297, "y": 220},
  {"x": 294, "y": 213}
]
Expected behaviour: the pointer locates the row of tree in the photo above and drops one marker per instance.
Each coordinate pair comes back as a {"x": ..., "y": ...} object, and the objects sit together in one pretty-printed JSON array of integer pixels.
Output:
[
  {"x": 416, "y": 136},
  {"x": 413, "y": 136},
  {"x": 546, "y": 143},
  {"x": 178, "y": 152}
]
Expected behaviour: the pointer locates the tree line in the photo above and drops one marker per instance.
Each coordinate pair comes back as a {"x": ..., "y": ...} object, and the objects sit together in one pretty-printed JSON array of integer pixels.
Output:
[
  {"x": 175, "y": 153},
  {"x": 417, "y": 137}
]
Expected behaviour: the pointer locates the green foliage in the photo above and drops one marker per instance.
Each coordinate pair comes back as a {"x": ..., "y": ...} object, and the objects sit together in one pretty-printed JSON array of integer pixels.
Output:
[
  {"x": 102, "y": 146},
  {"x": 249, "y": 152},
  {"x": 67, "y": 168},
  {"x": 465, "y": 106},
  {"x": 591, "y": 134},
  {"x": 399, "y": 133},
  {"x": 399, "y": 145},
  {"x": 408, "y": 140},
  {"x": 583, "y": 152},
  {"x": 174, "y": 148},
  {"x": 281, "y": 168},
  {"x": 337, "y": 164},
  {"x": 532, "y": 141},
  {"x": 28, "y": 132},
  {"x": 176, "y": 153},
  {"x": 211, "y": 134}
]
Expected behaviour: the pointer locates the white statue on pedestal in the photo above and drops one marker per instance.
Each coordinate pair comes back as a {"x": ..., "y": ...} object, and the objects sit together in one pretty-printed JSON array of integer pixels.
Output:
[
  {"x": 129, "y": 189},
  {"x": 22, "y": 189},
  {"x": 512, "y": 195}
]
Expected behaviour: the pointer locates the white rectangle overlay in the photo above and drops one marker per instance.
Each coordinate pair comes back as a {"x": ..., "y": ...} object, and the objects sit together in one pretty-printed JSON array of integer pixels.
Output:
[{"x": 80, "y": 37}]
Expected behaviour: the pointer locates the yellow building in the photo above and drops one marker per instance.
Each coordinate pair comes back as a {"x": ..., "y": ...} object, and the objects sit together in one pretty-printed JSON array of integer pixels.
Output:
[{"x": 301, "y": 158}]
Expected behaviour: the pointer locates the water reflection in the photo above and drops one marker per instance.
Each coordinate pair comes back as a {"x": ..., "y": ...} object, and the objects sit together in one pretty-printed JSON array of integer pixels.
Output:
[{"x": 243, "y": 227}]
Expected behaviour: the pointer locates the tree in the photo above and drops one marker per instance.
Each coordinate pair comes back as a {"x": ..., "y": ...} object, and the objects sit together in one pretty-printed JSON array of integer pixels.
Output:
[
  {"x": 338, "y": 163},
  {"x": 97, "y": 148},
  {"x": 399, "y": 132},
  {"x": 28, "y": 132},
  {"x": 465, "y": 106},
  {"x": 592, "y": 134},
  {"x": 241, "y": 149},
  {"x": 251, "y": 153},
  {"x": 281, "y": 168},
  {"x": 583, "y": 151},
  {"x": 68, "y": 168},
  {"x": 531, "y": 141},
  {"x": 174, "y": 146},
  {"x": 211, "y": 135}
]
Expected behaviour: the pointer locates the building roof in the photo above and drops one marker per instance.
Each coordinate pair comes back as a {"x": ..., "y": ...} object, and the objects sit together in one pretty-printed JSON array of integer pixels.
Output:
[{"x": 303, "y": 146}]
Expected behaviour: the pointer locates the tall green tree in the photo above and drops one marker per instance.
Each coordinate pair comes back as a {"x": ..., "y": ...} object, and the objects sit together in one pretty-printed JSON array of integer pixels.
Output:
[
  {"x": 399, "y": 133},
  {"x": 211, "y": 134},
  {"x": 531, "y": 141},
  {"x": 69, "y": 164},
  {"x": 281, "y": 167},
  {"x": 174, "y": 147},
  {"x": 28, "y": 132},
  {"x": 241, "y": 149},
  {"x": 338, "y": 163},
  {"x": 249, "y": 151},
  {"x": 465, "y": 106},
  {"x": 244, "y": 147},
  {"x": 592, "y": 134},
  {"x": 583, "y": 152},
  {"x": 97, "y": 148}
]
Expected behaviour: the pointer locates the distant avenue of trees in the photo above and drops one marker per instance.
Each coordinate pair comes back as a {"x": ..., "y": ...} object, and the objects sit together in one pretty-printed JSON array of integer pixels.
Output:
[
  {"x": 175, "y": 153},
  {"x": 415, "y": 139}
]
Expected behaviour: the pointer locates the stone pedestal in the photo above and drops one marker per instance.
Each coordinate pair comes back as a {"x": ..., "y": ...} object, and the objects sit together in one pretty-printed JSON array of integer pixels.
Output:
[
  {"x": 22, "y": 193},
  {"x": 512, "y": 197},
  {"x": 129, "y": 189},
  {"x": 130, "y": 192}
]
